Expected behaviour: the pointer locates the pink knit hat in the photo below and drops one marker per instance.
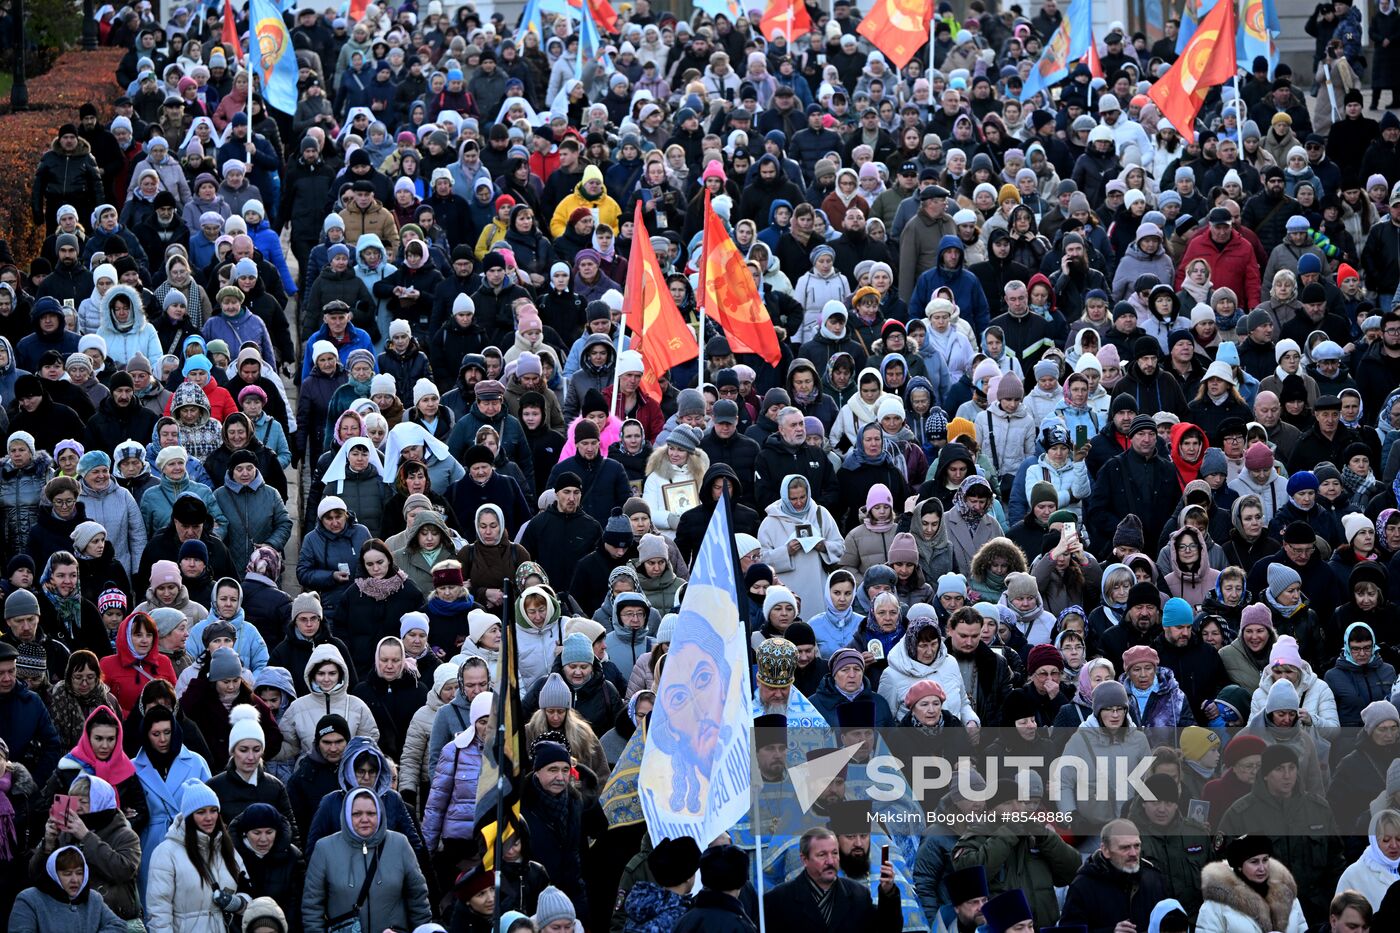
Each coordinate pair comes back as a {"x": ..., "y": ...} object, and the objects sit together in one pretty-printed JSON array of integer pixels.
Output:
[
  {"x": 164, "y": 571},
  {"x": 1286, "y": 652},
  {"x": 1258, "y": 456},
  {"x": 1139, "y": 654},
  {"x": 879, "y": 494}
]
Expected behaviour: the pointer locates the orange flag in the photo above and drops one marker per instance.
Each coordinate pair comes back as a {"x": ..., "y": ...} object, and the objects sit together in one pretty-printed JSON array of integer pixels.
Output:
[
  {"x": 728, "y": 294},
  {"x": 898, "y": 28},
  {"x": 1207, "y": 60},
  {"x": 1091, "y": 59},
  {"x": 659, "y": 332},
  {"x": 788, "y": 17},
  {"x": 229, "y": 36}
]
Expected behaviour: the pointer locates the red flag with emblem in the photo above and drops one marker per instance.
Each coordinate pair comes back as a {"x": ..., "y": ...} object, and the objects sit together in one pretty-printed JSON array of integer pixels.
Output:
[
  {"x": 1207, "y": 60},
  {"x": 898, "y": 28},
  {"x": 729, "y": 296},
  {"x": 788, "y": 17},
  {"x": 229, "y": 36},
  {"x": 659, "y": 333}
]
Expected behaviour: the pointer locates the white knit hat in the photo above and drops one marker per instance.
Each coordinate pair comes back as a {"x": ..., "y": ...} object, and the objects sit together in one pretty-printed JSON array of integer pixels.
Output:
[
  {"x": 244, "y": 724},
  {"x": 424, "y": 388}
]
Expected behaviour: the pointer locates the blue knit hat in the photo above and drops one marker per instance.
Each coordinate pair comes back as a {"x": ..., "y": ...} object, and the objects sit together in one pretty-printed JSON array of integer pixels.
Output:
[
  {"x": 92, "y": 460},
  {"x": 577, "y": 650},
  {"x": 198, "y": 361},
  {"x": 196, "y": 795},
  {"x": 1214, "y": 462},
  {"x": 1176, "y": 613},
  {"x": 1302, "y": 480}
]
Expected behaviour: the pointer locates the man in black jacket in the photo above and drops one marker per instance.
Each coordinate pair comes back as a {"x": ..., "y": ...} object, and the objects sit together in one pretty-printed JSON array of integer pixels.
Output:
[
  {"x": 717, "y": 907},
  {"x": 787, "y": 452},
  {"x": 1115, "y": 886},
  {"x": 993, "y": 674},
  {"x": 1140, "y": 624},
  {"x": 819, "y": 899},
  {"x": 306, "y": 187},
  {"x": 743, "y": 520},
  {"x": 998, "y": 269},
  {"x": 1137, "y": 481},
  {"x": 560, "y": 821},
  {"x": 725, "y": 444}
]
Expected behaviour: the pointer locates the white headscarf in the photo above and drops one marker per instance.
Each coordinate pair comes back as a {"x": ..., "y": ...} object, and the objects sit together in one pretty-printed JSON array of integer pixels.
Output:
[
  {"x": 335, "y": 473},
  {"x": 409, "y": 434}
]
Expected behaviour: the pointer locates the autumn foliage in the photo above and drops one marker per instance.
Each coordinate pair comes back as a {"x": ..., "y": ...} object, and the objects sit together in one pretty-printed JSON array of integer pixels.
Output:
[{"x": 54, "y": 98}]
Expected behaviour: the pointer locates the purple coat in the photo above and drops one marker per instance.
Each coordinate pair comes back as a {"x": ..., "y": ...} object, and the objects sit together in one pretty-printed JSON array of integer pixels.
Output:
[{"x": 451, "y": 808}]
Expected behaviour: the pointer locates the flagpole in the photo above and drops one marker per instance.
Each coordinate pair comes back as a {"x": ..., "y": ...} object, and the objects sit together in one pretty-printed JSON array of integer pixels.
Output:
[
  {"x": 501, "y": 698},
  {"x": 617, "y": 354},
  {"x": 700, "y": 300},
  {"x": 758, "y": 859}
]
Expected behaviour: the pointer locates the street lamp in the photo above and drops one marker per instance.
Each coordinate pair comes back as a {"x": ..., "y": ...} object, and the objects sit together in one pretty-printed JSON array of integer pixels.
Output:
[
  {"x": 89, "y": 28},
  {"x": 19, "y": 91}
]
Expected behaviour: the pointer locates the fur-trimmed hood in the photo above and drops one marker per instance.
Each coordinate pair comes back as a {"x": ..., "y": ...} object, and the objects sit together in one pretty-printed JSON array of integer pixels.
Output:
[
  {"x": 1220, "y": 884},
  {"x": 998, "y": 547}
]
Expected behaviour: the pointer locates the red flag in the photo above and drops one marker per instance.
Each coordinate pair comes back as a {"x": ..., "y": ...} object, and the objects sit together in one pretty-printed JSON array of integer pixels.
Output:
[
  {"x": 788, "y": 17},
  {"x": 1207, "y": 60},
  {"x": 229, "y": 37},
  {"x": 898, "y": 28},
  {"x": 729, "y": 296},
  {"x": 1091, "y": 59},
  {"x": 659, "y": 332},
  {"x": 357, "y": 10},
  {"x": 604, "y": 15}
]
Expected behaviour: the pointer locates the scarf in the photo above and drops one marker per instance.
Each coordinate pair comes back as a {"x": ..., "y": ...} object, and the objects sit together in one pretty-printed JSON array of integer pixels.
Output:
[
  {"x": 1377, "y": 859},
  {"x": 879, "y": 528},
  {"x": 804, "y": 399},
  {"x": 380, "y": 590},
  {"x": 445, "y": 607},
  {"x": 1355, "y": 423},
  {"x": 1356, "y": 485},
  {"x": 7, "y": 818},
  {"x": 857, "y": 457},
  {"x": 1287, "y": 612},
  {"x": 785, "y": 504},
  {"x": 69, "y": 609},
  {"x": 971, "y": 519}
]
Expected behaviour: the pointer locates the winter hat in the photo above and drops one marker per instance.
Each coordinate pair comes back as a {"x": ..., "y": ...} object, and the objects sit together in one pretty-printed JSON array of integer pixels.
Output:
[
  {"x": 1258, "y": 456},
  {"x": 195, "y": 549},
  {"x": 845, "y": 657},
  {"x": 1242, "y": 746},
  {"x": 308, "y": 601},
  {"x": 1109, "y": 693},
  {"x": 1129, "y": 532},
  {"x": 684, "y": 437},
  {"x": 412, "y": 620},
  {"x": 332, "y": 724},
  {"x": 479, "y": 622},
  {"x": 93, "y": 459},
  {"x": 552, "y": 904},
  {"x": 1285, "y": 651},
  {"x": 167, "y": 454},
  {"x": 194, "y": 796},
  {"x": 954, "y": 583},
  {"x": 82, "y": 535},
  {"x": 777, "y": 595},
  {"x": 651, "y": 547},
  {"x": 724, "y": 868},
  {"x": 1354, "y": 523},
  {"x": 224, "y": 665},
  {"x": 111, "y": 598},
  {"x": 1140, "y": 654},
  {"x": 1042, "y": 656},
  {"x": 1143, "y": 594},
  {"x": 1257, "y": 614},
  {"x": 1281, "y": 578},
  {"x": 1378, "y": 712},
  {"x": 1197, "y": 742},
  {"x": 674, "y": 861},
  {"x": 163, "y": 572},
  {"x": 1283, "y": 697},
  {"x": 1214, "y": 462},
  {"x": 921, "y": 689},
  {"x": 1176, "y": 613},
  {"x": 667, "y": 630},
  {"x": 1020, "y": 584},
  {"x": 244, "y": 725},
  {"x": 21, "y": 603},
  {"x": 555, "y": 694},
  {"x": 383, "y": 384},
  {"x": 330, "y": 504},
  {"x": 618, "y": 531},
  {"x": 903, "y": 549},
  {"x": 1302, "y": 481},
  {"x": 577, "y": 650}
]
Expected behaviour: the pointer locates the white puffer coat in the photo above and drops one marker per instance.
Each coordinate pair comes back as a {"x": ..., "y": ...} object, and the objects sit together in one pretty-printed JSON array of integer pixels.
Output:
[{"x": 299, "y": 721}]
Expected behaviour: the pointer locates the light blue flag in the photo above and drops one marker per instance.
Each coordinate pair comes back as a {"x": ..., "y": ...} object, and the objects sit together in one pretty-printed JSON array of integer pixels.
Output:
[
  {"x": 729, "y": 8},
  {"x": 531, "y": 20},
  {"x": 271, "y": 55},
  {"x": 1259, "y": 27},
  {"x": 1067, "y": 45},
  {"x": 696, "y": 774},
  {"x": 559, "y": 8}
]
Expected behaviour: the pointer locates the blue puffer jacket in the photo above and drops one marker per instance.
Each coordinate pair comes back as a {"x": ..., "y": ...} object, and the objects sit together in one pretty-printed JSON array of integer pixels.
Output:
[
  {"x": 321, "y": 552},
  {"x": 967, "y": 290},
  {"x": 451, "y": 808},
  {"x": 650, "y": 908}
]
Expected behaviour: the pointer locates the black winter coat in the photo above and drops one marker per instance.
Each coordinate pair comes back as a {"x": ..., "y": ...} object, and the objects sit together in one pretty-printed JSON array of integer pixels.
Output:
[
  {"x": 1101, "y": 896},
  {"x": 114, "y": 423},
  {"x": 294, "y": 652},
  {"x": 559, "y": 836},
  {"x": 393, "y": 705},
  {"x": 361, "y": 621},
  {"x": 236, "y": 795},
  {"x": 268, "y": 609}
]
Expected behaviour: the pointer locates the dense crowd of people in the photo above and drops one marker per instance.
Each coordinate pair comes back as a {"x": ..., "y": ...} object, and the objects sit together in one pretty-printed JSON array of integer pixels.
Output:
[{"x": 1079, "y": 441}]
